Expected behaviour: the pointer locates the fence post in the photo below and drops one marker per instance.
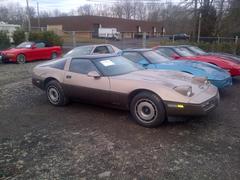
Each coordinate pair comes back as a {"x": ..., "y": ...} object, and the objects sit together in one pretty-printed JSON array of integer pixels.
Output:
[
  {"x": 236, "y": 40},
  {"x": 26, "y": 36},
  {"x": 74, "y": 38},
  {"x": 236, "y": 45},
  {"x": 218, "y": 40},
  {"x": 173, "y": 39},
  {"x": 144, "y": 40}
]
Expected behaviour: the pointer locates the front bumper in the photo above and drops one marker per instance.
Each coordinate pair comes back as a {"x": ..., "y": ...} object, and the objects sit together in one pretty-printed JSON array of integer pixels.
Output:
[
  {"x": 222, "y": 83},
  {"x": 38, "y": 82},
  {"x": 5, "y": 59},
  {"x": 188, "y": 109},
  {"x": 235, "y": 72}
]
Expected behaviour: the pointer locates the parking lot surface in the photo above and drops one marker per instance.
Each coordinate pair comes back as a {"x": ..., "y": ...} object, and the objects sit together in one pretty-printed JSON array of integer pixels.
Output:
[{"x": 79, "y": 141}]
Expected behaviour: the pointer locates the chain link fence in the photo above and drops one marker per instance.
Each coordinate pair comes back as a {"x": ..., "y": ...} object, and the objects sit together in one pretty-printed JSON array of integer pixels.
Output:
[{"x": 226, "y": 44}]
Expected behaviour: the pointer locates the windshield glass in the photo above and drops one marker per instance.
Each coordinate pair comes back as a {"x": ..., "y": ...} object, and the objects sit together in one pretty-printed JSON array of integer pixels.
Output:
[
  {"x": 79, "y": 51},
  {"x": 113, "y": 66},
  {"x": 197, "y": 50},
  {"x": 183, "y": 52},
  {"x": 25, "y": 45},
  {"x": 154, "y": 57}
]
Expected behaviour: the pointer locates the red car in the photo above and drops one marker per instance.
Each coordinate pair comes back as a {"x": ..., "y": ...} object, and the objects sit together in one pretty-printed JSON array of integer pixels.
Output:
[
  {"x": 181, "y": 53},
  {"x": 30, "y": 51}
]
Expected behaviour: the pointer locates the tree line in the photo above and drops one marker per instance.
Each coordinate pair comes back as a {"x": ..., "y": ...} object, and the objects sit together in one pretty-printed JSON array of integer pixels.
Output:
[{"x": 217, "y": 17}]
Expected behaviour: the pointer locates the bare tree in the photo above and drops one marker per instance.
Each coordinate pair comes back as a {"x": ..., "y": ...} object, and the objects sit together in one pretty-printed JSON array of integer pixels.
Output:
[
  {"x": 127, "y": 8},
  {"x": 139, "y": 11},
  {"x": 86, "y": 10},
  {"x": 118, "y": 10}
]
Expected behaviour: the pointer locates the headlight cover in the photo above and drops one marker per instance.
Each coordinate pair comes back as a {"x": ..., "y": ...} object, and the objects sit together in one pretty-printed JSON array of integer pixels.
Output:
[{"x": 184, "y": 90}]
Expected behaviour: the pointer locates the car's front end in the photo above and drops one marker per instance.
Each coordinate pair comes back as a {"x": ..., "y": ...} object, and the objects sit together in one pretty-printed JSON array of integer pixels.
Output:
[
  {"x": 182, "y": 93},
  {"x": 6, "y": 56},
  {"x": 199, "y": 104}
]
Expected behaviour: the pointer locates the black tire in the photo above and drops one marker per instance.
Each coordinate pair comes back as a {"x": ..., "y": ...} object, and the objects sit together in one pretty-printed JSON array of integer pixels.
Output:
[
  {"x": 55, "y": 93},
  {"x": 21, "y": 59},
  {"x": 148, "y": 109},
  {"x": 54, "y": 55}
]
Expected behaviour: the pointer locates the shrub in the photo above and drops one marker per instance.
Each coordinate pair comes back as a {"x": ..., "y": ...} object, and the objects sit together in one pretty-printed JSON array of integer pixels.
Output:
[
  {"x": 18, "y": 36},
  {"x": 4, "y": 40},
  {"x": 48, "y": 37}
]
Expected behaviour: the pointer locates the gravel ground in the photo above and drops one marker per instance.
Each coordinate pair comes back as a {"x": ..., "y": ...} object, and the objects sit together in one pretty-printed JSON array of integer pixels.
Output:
[{"x": 39, "y": 141}]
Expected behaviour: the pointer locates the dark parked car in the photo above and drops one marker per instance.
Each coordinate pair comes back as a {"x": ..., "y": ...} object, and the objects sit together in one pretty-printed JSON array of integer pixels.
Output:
[{"x": 180, "y": 37}]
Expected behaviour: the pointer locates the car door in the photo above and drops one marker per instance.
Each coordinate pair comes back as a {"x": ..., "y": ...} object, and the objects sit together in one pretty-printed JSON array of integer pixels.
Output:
[
  {"x": 37, "y": 52},
  {"x": 77, "y": 83}
]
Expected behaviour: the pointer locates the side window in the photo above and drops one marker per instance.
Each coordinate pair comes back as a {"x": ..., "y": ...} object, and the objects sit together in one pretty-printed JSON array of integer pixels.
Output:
[
  {"x": 40, "y": 45},
  {"x": 134, "y": 56},
  {"x": 167, "y": 51},
  {"x": 110, "y": 49},
  {"x": 81, "y": 66},
  {"x": 101, "y": 50}
]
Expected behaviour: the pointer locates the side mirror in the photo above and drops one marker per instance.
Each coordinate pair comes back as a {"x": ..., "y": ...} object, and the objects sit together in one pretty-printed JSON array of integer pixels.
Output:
[
  {"x": 175, "y": 56},
  {"x": 34, "y": 47},
  {"x": 94, "y": 74}
]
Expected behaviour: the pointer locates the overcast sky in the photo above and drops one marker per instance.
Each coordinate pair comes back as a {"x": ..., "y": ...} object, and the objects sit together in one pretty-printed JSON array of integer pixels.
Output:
[{"x": 63, "y": 5}]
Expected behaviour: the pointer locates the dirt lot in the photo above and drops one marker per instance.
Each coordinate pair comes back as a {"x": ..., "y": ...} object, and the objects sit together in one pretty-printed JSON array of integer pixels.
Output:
[{"x": 39, "y": 141}]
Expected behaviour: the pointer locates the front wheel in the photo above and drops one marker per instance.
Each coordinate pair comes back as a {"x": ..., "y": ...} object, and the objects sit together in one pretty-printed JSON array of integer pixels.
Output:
[
  {"x": 54, "y": 55},
  {"x": 55, "y": 93},
  {"x": 21, "y": 59},
  {"x": 148, "y": 109}
]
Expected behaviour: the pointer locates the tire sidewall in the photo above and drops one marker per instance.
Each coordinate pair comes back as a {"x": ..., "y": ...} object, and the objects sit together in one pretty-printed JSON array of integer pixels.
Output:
[
  {"x": 160, "y": 116},
  {"x": 53, "y": 55},
  {"x": 62, "y": 99},
  {"x": 21, "y": 62}
]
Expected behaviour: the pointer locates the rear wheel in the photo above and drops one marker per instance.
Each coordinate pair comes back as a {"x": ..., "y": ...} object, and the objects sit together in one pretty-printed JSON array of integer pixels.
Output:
[
  {"x": 21, "y": 59},
  {"x": 148, "y": 109},
  {"x": 55, "y": 93}
]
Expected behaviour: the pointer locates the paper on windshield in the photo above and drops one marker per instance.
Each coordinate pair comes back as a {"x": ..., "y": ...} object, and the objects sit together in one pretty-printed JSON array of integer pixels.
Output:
[{"x": 107, "y": 63}]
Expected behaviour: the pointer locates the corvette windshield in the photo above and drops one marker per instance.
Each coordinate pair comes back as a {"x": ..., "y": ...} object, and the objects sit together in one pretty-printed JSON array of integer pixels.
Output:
[
  {"x": 154, "y": 57},
  {"x": 114, "y": 66},
  {"x": 25, "y": 45},
  {"x": 79, "y": 51},
  {"x": 197, "y": 50},
  {"x": 183, "y": 52}
]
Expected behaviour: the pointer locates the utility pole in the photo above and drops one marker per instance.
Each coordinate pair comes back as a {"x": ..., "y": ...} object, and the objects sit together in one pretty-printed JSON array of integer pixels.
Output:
[
  {"x": 38, "y": 15},
  {"x": 199, "y": 27},
  {"x": 28, "y": 15},
  {"x": 195, "y": 18}
]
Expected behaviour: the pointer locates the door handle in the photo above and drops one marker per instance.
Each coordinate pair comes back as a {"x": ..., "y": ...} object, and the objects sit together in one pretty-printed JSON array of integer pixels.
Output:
[{"x": 68, "y": 76}]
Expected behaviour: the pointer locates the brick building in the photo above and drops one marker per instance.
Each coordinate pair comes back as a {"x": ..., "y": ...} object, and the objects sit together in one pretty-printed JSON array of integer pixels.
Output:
[{"x": 86, "y": 27}]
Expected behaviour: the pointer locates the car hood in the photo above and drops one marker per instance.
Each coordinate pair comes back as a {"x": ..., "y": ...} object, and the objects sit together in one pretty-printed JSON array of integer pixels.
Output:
[
  {"x": 196, "y": 68},
  {"x": 167, "y": 78},
  {"x": 212, "y": 59},
  {"x": 210, "y": 70},
  {"x": 230, "y": 57}
]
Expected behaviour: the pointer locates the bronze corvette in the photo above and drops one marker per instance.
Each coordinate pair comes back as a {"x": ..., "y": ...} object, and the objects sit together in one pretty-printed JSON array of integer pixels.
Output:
[{"x": 110, "y": 80}]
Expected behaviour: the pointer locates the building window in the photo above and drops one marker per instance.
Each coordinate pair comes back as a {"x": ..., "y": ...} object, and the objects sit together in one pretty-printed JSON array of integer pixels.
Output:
[
  {"x": 139, "y": 29},
  {"x": 154, "y": 29}
]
